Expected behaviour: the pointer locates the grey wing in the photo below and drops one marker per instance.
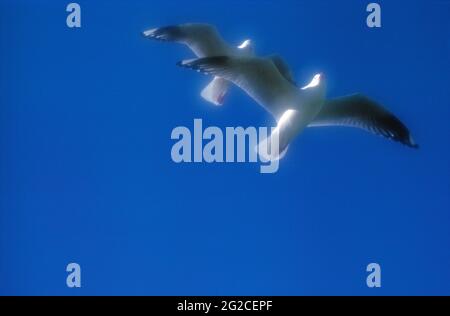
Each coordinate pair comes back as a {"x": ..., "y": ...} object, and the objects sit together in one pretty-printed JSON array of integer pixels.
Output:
[
  {"x": 203, "y": 39},
  {"x": 361, "y": 112},
  {"x": 258, "y": 77},
  {"x": 283, "y": 68}
]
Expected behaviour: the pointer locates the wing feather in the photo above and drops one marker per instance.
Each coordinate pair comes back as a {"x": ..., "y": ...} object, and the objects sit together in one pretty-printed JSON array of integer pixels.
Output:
[
  {"x": 203, "y": 39},
  {"x": 361, "y": 112}
]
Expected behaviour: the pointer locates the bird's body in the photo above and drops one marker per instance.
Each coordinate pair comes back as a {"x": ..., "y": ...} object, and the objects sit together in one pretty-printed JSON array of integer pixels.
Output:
[
  {"x": 269, "y": 81},
  {"x": 295, "y": 108},
  {"x": 261, "y": 79}
]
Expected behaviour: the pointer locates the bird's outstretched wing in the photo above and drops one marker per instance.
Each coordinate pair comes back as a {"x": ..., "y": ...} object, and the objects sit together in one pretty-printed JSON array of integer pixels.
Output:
[
  {"x": 361, "y": 112},
  {"x": 203, "y": 39},
  {"x": 258, "y": 77}
]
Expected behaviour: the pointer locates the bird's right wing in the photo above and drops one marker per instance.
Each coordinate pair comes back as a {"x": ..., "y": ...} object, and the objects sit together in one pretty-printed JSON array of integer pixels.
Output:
[
  {"x": 361, "y": 112},
  {"x": 258, "y": 77},
  {"x": 203, "y": 39}
]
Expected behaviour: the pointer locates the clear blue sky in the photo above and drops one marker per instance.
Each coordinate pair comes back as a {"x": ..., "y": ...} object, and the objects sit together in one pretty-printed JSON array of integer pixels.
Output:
[{"x": 86, "y": 174}]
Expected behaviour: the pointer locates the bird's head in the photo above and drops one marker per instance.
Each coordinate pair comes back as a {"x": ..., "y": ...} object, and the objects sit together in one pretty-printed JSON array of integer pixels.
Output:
[
  {"x": 247, "y": 46},
  {"x": 316, "y": 90},
  {"x": 317, "y": 82}
]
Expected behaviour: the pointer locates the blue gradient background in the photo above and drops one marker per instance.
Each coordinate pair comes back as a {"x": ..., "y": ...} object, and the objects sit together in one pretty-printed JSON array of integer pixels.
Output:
[{"x": 86, "y": 174}]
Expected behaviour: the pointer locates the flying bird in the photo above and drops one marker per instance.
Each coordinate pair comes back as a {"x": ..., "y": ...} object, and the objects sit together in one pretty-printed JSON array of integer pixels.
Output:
[
  {"x": 295, "y": 108},
  {"x": 205, "y": 41}
]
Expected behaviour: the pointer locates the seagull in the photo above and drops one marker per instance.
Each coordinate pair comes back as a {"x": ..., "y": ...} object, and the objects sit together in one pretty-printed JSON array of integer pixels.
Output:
[
  {"x": 295, "y": 108},
  {"x": 205, "y": 41}
]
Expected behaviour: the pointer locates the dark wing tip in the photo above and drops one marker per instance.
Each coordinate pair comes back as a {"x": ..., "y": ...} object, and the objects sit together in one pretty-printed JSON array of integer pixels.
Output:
[
  {"x": 394, "y": 129},
  {"x": 194, "y": 64},
  {"x": 411, "y": 143},
  {"x": 190, "y": 63},
  {"x": 166, "y": 33},
  {"x": 207, "y": 65},
  {"x": 388, "y": 125}
]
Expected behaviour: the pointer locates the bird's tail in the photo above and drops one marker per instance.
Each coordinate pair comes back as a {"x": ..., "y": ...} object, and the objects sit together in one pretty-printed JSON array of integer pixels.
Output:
[{"x": 216, "y": 91}]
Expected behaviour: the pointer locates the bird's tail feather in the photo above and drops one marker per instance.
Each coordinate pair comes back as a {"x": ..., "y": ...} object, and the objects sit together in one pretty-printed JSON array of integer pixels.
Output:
[{"x": 216, "y": 91}]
